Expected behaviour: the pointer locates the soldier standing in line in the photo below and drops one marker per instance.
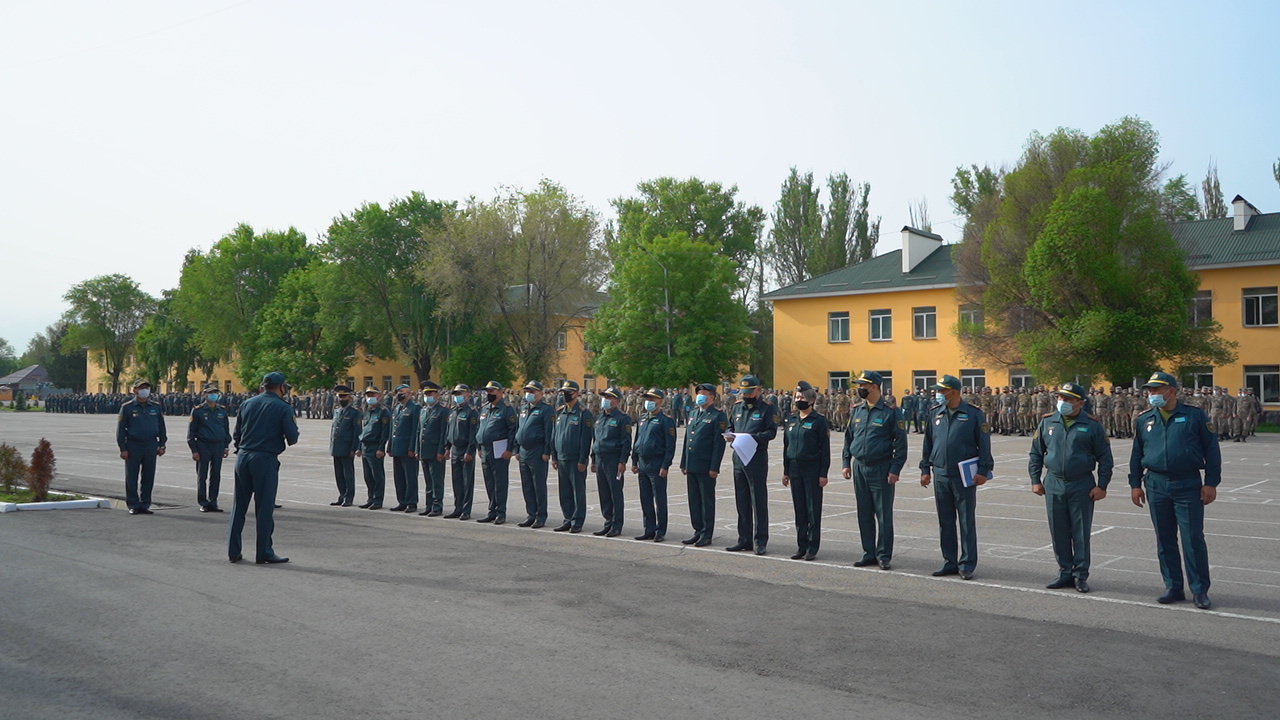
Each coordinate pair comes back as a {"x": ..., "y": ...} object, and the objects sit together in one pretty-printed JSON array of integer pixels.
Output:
[
  {"x": 700, "y": 462},
  {"x": 654, "y": 450},
  {"x": 141, "y": 436},
  {"x": 209, "y": 437},
  {"x": 570, "y": 451},
  {"x": 344, "y": 443},
  {"x": 875, "y": 450},
  {"x": 461, "y": 446},
  {"x": 497, "y": 427},
  {"x": 374, "y": 435},
  {"x": 609, "y": 459},
  {"x": 403, "y": 449},
  {"x": 534, "y": 434},
  {"x": 433, "y": 431},
  {"x": 753, "y": 417},
  {"x": 806, "y": 459}
]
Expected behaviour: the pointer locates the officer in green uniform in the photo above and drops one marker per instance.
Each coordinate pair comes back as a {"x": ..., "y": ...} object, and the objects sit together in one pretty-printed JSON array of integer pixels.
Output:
[
  {"x": 344, "y": 442},
  {"x": 534, "y": 435},
  {"x": 1172, "y": 443},
  {"x": 875, "y": 450},
  {"x": 753, "y": 416},
  {"x": 373, "y": 447},
  {"x": 403, "y": 449},
  {"x": 497, "y": 425},
  {"x": 955, "y": 432},
  {"x": 700, "y": 462},
  {"x": 209, "y": 437},
  {"x": 570, "y": 451},
  {"x": 609, "y": 459},
  {"x": 141, "y": 436},
  {"x": 460, "y": 444},
  {"x": 433, "y": 428},
  {"x": 806, "y": 459},
  {"x": 655, "y": 449},
  {"x": 1068, "y": 445},
  {"x": 263, "y": 427}
]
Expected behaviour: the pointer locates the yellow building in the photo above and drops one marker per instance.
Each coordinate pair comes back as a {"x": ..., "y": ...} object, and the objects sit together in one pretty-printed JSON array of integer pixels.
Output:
[{"x": 895, "y": 313}]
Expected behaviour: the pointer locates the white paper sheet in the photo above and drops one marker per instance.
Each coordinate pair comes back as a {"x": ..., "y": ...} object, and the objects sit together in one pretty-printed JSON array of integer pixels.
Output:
[
  {"x": 745, "y": 447},
  {"x": 499, "y": 448}
]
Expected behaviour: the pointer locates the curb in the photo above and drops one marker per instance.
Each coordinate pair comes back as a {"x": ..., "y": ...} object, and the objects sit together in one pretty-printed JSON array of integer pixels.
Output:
[{"x": 86, "y": 503}]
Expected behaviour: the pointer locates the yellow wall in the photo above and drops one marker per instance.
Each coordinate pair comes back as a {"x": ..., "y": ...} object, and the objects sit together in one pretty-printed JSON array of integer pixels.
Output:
[{"x": 802, "y": 350}]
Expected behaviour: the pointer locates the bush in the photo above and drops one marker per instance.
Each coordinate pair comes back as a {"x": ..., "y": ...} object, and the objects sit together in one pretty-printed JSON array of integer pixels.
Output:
[
  {"x": 20, "y": 401},
  {"x": 40, "y": 474},
  {"x": 12, "y": 467}
]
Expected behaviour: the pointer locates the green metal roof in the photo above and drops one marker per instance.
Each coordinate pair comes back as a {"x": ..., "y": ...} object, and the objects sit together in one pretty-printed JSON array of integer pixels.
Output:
[
  {"x": 882, "y": 273},
  {"x": 1208, "y": 244},
  {"x": 1215, "y": 243}
]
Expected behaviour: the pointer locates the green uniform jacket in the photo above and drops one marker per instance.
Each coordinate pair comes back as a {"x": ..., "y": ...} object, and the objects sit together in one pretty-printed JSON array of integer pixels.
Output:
[
  {"x": 1071, "y": 453},
  {"x": 1179, "y": 448},
  {"x": 876, "y": 435}
]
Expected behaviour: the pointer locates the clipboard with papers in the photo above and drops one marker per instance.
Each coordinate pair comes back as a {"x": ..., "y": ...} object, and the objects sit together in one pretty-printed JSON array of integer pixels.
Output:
[{"x": 969, "y": 470}]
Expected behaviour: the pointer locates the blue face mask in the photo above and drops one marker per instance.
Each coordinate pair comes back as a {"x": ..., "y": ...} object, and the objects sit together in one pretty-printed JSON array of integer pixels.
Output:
[
  {"x": 940, "y": 399},
  {"x": 650, "y": 405},
  {"x": 458, "y": 399},
  {"x": 530, "y": 398},
  {"x": 429, "y": 399},
  {"x": 1156, "y": 400},
  {"x": 702, "y": 400},
  {"x": 606, "y": 404},
  {"x": 214, "y": 397},
  {"x": 1065, "y": 407}
]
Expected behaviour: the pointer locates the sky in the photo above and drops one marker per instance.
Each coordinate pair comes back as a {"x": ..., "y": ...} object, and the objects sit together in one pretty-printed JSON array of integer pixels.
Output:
[{"x": 134, "y": 130}]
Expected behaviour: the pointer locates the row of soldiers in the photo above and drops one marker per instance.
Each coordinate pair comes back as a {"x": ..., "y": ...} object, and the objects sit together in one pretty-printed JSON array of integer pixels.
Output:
[
  {"x": 1233, "y": 417},
  {"x": 110, "y": 403}
]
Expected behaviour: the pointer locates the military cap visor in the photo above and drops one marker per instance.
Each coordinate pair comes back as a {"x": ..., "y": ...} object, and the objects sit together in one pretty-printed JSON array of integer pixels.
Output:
[
  {"x": 655, "y": 393},
  {"x": 428, "y": 386},
  {"x": 210, "y": 388},
  {"x": 948, "y": 382},
  {"x": 1161, "y": 379},
  {"x": 533, "y": 385},
  {"x": 372, "y": 391},
  {"x": 611, "y": 392},
  {"x": 401, "y": 386},
  {"x": 569, "y": 385},
  {"x": 803, "y": 386},
  {"x": 342, "y": 390},
  {"x": 140, "y": 384},
  {"x": 462, "y": 387},
  {"x": 1070, "y": 390},
  {"x": 706, "y": 387},
  {"x": 274, "y": 378},
  {"x": 869, "y": 377},
  {"x": 749, "y": 382},
  {"x": 493, "y": 385}
]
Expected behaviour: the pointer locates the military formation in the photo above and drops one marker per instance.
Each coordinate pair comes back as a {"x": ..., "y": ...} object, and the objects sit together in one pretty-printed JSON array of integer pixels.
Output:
[{"x": 1175, "y": 465}]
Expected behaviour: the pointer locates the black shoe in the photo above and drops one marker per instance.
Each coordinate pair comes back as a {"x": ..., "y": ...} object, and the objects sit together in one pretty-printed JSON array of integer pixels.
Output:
[
  {"x": 236, "y": 558},
  {"x": 943, "y": 572},
  {"x": 336, "y": 503},
  {"x": 411, "y": 508},
  {"x": 562, "y": 528},
  {"x": 426, "y": 512},
  {"x": 277, "y": 507},
  {"x": 760, "y": 550},
  {"x": 810, "y": 555},
  {"x": 399, "y": 508},
  {"x": 1202, "y": 601},
  {"x": 798, "y": 556},
  {"x": 703, "y": 542},
  {"x": 464, "y": 516},
  {"x": 365, "y": 506},
  {"x": 140, "y": 511},
  {"x": 738, "y": 548},
  {"x": 1060, "y": 583},
  {"x": 376, "y": 506},
  {"x": 646, "y": 536},
  {"x": 485, "y": 519},
  {"x": 865, "y": 562},
  {"x": 346, "y": 504},
  {"x": 272, "y": 560},
  {"x": 659, "y": 538},
  {"x": 499, "y": 521},
  {"x": 452, "y": 516},
  {"x": 1082, "y": 585},
  {"x": 966, "y": 574},
  {"x": 526, "y": 523},
  {"x": 1171, "y": 596},
  {"x": 690, "y": 541},
  {"x": 602, "y": 531},
  {"x": 538, "y": 523},
  {"x": 205, "y": 508},
  {"x": 435, "y": 513},
  {"x": 884, "y": 565},
  {"x": 575, "y": 530}
]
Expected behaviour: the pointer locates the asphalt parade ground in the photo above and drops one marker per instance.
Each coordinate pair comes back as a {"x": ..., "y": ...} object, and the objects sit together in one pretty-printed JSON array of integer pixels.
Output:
[{"x": 389, "y": 615}]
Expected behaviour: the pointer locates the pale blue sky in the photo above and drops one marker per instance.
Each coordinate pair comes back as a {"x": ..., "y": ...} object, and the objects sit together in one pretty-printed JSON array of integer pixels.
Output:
[{"x": 132, "y": 130}]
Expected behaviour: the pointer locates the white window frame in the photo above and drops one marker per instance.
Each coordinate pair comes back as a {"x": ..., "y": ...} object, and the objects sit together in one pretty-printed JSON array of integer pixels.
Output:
[
  {"x": 1257, "y": 296},
  {"x": 838, "y": 380},
  {"x": 838, "y": 325},
  {"x": 969, "y": 379},
  {"x": 1203, "y": 298},
  {"x": 923, "y": 379},
  {"x": 924, "y": 313},
  {"x": 562, "y": 341},
  {"x": 1256, "y": 377},
  {"x": 881, "y": 325}
]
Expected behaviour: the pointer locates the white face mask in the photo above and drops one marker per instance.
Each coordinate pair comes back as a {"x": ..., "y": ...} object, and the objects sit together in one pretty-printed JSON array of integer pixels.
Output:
[
  {"x": 144, "y": 393},
  {"x": 606, "y": 404},
  {"x": 530, "y": 398},
  {"x": 371, "y": 401},
  {"x": 1065, "y": 407},
  {"x": 650, "y": 405}
]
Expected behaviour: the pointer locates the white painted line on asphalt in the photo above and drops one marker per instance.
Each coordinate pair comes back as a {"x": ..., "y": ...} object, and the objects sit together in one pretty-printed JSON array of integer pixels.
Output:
[
  {"x": 1099, "y": 532},
  {"x": 1246, "y": 487}
]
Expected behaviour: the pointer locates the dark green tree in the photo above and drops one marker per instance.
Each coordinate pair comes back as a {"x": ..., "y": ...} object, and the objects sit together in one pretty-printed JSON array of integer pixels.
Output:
[
  {"x": 797, "y": 229},
  {"x": 672, "y": 318},
  {"x": 848, "y": 232},
  {"x": 1215, "y": 205},
  {"x": 972, "y": 185},
  {"x": 294, "y": 335},
  {"x": 1275, "y": 171},
  {"x": 66, "y": 368},
  {"x": 1080, "y": 275},
  {"x": 8, "y": 358},
  {"x": 379, "y": 290},
  {"x": 166, "y": 345},
  {"x": 480, "y": 357},
  {"x": 1178, "y": 201},
  {"x": 105, "y": 315}
]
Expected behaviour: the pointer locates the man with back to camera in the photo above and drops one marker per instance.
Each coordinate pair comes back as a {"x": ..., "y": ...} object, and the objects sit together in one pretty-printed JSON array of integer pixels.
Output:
[{"x": 264, "y": 427}]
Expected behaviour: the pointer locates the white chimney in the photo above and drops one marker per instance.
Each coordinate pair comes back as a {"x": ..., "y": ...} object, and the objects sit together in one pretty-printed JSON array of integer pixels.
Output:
[
  {"x": 1244, "y": 210},
  {"x": 916, "y": 246}
]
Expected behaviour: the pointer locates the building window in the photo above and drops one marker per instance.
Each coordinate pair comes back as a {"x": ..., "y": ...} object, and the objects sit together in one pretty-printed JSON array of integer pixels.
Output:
[
  {"x": 1201, "y": 309},
  {"x": 191, "y": 386},
  {"x": 386, "y": 383},
  {"x": 886, "y": 382},
  {"x": 228, "y": 386},
  {"x": 973, "y": 379},
  {"x": 1197, "y": 377},
  {"x": 1260, "y": 308},
  {"x": 1020, "y": 378},
  {"x": 99, "y": 388},
  {"x": 970, "y": 318},
  {"x": 588, "y": 382},
  {"x": 1265, "y": 381},
  {"x": 924, "y": 325},
  {"x": 922, "y": 379},
  {"x": 368, "y": 383},
  {"x": 404, "y": 380},
  {"x": 881, "y": 325},
  {"x": 838, "y": 380},
  {"x": 351, "y": 383},
  {"x": 838, "y": 327},
  {"x": 562, "y": 341}
]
